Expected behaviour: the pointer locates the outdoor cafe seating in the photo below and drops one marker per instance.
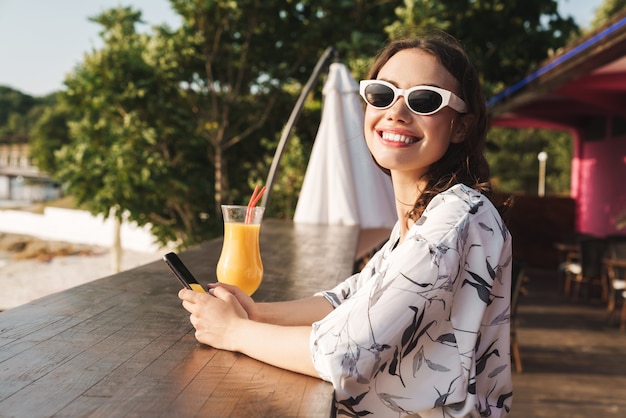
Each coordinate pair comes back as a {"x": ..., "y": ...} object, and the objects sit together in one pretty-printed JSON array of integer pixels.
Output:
[
  {"x": 569, "y": 255},
  {"x": 584, "y": 275},
  {"x": 614, "y": 266},
  {"x": 595, "y": 266}
]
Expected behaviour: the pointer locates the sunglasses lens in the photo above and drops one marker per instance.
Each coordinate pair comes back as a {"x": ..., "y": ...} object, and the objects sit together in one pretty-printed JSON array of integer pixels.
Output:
[
  {"x": 424, "y": 101},
  {"x": 378, "y": 95}
]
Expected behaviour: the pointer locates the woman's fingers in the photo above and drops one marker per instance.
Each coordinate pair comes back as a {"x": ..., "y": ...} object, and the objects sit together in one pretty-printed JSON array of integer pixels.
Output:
[
  {"x": 194, "y": 301},
  {"x": 244, "y": 300},
  {"x": 188, "y": 295},
  {"x": 221, "y": 292},
  {"x": 230, "y": 287}
]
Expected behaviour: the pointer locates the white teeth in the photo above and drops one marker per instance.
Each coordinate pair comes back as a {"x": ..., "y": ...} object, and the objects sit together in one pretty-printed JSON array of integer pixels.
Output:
[{"x": 398, "y": 138}]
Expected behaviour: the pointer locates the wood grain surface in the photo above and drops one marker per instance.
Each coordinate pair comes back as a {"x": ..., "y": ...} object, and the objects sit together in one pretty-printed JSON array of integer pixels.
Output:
[{"x": 123, "y": 346}]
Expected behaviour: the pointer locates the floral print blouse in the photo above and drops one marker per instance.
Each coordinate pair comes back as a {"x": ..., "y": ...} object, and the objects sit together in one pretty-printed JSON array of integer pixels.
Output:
[{"x": 423, "y": 329}]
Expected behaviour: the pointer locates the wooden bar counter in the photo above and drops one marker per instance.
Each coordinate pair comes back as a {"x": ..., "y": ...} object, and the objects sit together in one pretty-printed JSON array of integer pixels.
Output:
[{"x": 122, "y": 346}]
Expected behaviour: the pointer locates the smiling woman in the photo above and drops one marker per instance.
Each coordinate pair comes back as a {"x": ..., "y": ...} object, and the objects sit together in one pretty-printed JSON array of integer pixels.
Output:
[{"x": 423, "y": 328}]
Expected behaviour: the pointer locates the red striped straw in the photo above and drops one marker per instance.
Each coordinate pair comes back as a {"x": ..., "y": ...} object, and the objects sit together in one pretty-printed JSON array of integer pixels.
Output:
[{"x": 254, "y": 199}]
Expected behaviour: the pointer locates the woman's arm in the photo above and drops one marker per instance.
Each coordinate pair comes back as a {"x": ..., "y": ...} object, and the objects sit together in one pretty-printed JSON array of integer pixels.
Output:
[
  {"x": 292, "y": 313},
  {"x": 221, "y": 321},
  {"x": 286, "y": 347}
]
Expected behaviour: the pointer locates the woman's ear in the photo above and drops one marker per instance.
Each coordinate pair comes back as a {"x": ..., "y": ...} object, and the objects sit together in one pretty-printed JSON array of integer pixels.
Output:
[{"x": 460, "y": 127}]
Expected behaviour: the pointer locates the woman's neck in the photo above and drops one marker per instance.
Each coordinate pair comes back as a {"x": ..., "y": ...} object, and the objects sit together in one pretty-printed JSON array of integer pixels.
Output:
[
  {"x": 406, "y": 191},
  {"x": 406, "y": 188}
]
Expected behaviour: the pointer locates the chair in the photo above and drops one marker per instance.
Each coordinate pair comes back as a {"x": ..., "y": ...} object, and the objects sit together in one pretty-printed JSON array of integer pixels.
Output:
[
  {"x": 569, "y": 254},
  {"x": 622, "y": 326},
  {"x": 615, "y": 277},
  {"x": 518, "y": 278},
  {"x": 587, "y": 271}
]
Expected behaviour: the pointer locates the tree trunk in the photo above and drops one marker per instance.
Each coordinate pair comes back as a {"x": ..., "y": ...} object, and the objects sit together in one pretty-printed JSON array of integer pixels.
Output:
[
  {"x": 116, "y": 246},
  {"x": 220, "y": 179}
]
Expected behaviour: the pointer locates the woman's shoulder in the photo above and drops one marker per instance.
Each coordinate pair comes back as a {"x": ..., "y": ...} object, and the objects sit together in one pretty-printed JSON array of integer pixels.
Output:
[
  {"x": 463, "y": 198},
  {"x": 457, "y": 210}
]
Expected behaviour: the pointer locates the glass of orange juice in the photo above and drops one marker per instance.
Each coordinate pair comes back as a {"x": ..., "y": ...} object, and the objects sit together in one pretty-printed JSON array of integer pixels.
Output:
[{"x": 240, "y": 261}]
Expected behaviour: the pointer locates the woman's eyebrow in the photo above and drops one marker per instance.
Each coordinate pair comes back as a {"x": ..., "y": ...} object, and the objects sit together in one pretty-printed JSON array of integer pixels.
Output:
[{"x": 415, "y": 85}]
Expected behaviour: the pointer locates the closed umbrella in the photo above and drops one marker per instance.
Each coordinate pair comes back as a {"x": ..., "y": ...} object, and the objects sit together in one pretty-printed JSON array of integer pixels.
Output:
[{"x": 342, "y": 184}]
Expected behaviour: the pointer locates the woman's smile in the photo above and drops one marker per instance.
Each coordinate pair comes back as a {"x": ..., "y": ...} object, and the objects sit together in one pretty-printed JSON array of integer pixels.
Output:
[{"x": 396, "y": 139}]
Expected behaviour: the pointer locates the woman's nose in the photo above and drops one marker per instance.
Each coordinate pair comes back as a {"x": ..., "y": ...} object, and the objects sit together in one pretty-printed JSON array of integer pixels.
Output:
[{"x": 399, "y": 111}]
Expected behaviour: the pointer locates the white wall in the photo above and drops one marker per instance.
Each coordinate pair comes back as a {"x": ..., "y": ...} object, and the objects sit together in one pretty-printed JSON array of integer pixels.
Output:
[{"x": 75, "y": 226}]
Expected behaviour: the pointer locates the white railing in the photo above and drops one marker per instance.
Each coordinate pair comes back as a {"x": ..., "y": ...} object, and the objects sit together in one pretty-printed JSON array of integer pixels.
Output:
[{"x": 75, "y": 226}]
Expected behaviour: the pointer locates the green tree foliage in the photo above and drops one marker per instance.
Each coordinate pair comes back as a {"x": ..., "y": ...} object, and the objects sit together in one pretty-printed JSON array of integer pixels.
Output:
[
  {"x": 503, "y": 39},
  {"x": 607, "y": 10},
  {"x": 287, "y": 186},
  {"x": 167, "y": 126},
  {"x": 50, "y": 133},
  {"x": 512, "y": 154},
  {"x": 246, "y": 52},
  {"x": 18, "y": 111},
  {"x": 155, "y": 122},
  {"x": 131, "y": 146}
]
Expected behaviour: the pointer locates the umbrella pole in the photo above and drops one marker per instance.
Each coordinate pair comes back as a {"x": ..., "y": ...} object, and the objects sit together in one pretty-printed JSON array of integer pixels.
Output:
[{"x": 293, "y": 117}]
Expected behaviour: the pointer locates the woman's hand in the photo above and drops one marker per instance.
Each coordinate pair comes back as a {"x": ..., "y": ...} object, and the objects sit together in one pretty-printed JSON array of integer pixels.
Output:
[
  {"x": 223, "y": 318},
  {"x": 215, "y": 315},
  {"x": 246, "y": 302}
]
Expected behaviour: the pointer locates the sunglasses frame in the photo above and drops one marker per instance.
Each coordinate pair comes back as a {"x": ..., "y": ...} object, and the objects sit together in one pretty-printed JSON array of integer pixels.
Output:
[{"x": 447, "y": 97}]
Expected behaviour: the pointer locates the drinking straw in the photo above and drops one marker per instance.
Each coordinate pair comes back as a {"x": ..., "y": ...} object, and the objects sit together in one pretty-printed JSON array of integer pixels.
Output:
[{"x": 254, "y": 199}]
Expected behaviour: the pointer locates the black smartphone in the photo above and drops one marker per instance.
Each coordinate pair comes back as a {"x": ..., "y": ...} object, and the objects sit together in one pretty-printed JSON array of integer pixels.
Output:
[{"x": 182, "y": 272}]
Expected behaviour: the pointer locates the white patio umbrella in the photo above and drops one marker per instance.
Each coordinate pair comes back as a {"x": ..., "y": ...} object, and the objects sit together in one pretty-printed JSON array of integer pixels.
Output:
[{"x": 342, "y": 184}]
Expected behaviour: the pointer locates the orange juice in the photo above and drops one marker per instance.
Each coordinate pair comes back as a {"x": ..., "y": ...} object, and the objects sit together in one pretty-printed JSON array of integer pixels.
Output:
[{"x": 240, "y": 262}]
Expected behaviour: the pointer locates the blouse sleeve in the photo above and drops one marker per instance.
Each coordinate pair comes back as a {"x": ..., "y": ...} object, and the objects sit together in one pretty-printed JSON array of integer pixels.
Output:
[
  {"x": 348, "y": 287},
  {"x": 404, "y": 340}
]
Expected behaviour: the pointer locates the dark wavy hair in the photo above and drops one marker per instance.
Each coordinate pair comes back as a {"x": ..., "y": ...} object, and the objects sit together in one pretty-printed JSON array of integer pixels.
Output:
[{"x": 463, "y": 162}]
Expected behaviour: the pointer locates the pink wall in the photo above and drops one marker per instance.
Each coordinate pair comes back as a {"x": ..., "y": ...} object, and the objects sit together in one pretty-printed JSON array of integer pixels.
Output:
[{"x": 598, "y": 184}]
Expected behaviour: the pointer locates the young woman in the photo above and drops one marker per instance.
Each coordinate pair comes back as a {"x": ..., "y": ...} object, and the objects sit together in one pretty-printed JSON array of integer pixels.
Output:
[{"x": 423, "y": 330}]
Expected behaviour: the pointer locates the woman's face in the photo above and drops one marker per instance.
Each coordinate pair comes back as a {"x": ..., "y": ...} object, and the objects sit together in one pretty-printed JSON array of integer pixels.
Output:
[{"x": 402, "y": 141}]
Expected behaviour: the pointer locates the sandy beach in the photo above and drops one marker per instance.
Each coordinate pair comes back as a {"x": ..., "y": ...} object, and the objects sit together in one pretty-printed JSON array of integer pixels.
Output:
[{"x": 32, "y": 268}]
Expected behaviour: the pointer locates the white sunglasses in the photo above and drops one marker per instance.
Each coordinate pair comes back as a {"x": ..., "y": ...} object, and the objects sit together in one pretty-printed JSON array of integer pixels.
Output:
[{"x": 423, "y": 100}]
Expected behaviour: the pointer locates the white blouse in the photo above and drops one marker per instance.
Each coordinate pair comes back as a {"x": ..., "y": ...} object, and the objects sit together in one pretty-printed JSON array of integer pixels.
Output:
[{"x": 424, "y": 328}]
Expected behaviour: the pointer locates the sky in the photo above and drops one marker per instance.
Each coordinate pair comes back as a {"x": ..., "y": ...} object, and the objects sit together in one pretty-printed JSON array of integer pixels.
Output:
[{"x": 43, "y": 40}]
